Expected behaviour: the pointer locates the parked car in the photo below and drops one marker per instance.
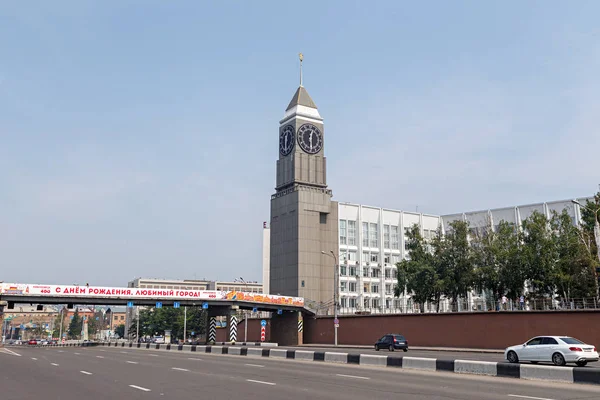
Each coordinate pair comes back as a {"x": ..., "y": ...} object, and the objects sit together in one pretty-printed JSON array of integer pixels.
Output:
[
  {"x": 392, "y": 341},
  {"x": 556, "y": 349},
  {"x": 32, "y": 342}
]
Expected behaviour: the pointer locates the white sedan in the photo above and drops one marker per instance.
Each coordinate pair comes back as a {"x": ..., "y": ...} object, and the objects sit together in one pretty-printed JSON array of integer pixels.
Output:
[{"x": 556, "y": 349}]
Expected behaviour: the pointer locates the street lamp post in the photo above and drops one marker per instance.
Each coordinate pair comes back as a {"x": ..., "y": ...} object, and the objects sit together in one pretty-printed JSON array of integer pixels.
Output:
[
  {"x": 596, "y": 225},
  {"x": 245, "y": 312},
  {"x": 184, "y": 322},
  {"x": 335, "y": 294}
]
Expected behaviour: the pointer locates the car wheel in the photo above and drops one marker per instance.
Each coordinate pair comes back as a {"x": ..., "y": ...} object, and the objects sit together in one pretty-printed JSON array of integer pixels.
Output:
[
  {"x": 512, "y": 357},
  {"x": 405, "y": 350},
  {"x": 581, "y": 363},
  {"x": 558, "y": 359},
  {"x": 376, "y": 348},
  {"x": 391, "y": 347}
]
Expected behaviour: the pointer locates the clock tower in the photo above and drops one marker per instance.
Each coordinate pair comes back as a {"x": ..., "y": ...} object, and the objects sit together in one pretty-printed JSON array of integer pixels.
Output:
[{"x": 304, "y": 219}]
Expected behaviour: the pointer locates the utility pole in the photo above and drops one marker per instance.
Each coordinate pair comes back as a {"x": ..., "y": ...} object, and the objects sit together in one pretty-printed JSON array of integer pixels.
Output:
[
  {"x": 184, "y": 322},
  {"x": 245, "y": 312},
  {"x": 61, "y": 322},
  {"x": 137, "y": 330},
  {"x": 336, "y": 286}
]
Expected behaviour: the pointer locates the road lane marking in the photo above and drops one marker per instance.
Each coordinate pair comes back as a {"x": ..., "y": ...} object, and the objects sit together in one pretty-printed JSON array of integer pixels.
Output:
[
  {"x": 132, "y": 362},
  {"x": 56, "y": 365},
  {"x": 12, "y": 353},
  {"x": 99, "y": 357},
  {"x": 195, "y": 359},
  {"x": 86, "y": 373},
  {"x": 352, "y": 376},
  {"x": 124, "y": 352},
  {"x": 102, "y": 350},
  {"x": 528, "y": 397},
  {"x": 264, "y": 383},
  {"x": 34, "y": 359},
  {"x": 255, "y": 365},
  {"x": 77, "y": 354},
  {"x": 61, "y": 351},
  {"x": 140, "y": 388},
  {"x": 180, "y": 369}
]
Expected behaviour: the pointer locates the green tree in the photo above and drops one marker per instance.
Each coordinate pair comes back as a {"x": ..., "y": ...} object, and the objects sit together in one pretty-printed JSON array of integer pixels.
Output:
[
  {"x": 120, "y": 330},
  {"x": 455, "y": 256},
  {"x": 417, "y": 275},
  {"x": 539, "y": 255},
  {"x": 498, "y": 267},
  {"x": 590, "y": 215},
  {"x": 132, "y": 330},
  {"x": 74, "y": 331},
  {"x": 574, "y": 272},
  {"x": 57, "y": 321}
]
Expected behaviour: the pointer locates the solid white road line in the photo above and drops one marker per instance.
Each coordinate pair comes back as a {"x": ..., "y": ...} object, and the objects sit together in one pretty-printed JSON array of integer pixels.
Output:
[
  {"x": 528, "y": 397},
  {"x": 132, "y": 362},
  {"x": 264, "y": 383},
  {"x": 255, "y": 365},
  {"x": 195, "y": 359},
  {"x": 99, "y": 357},
  {"x": 86, "y": 373},
  {"x": 56, "y": 365},
  {"x": 140, "y": 388},
  {"x": 180, "y": 369},
  {"x": 12, "y": 353},
  {"x": 352, "y": 376}
]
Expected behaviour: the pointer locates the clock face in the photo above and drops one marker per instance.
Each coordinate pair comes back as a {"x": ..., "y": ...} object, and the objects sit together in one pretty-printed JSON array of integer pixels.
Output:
[
  {"x": 286, "y": 140},
  {"x": 310, "y": 139}
]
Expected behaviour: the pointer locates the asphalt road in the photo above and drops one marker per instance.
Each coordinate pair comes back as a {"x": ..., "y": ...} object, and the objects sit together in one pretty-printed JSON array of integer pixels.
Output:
[{"x": 98, "y": 373}]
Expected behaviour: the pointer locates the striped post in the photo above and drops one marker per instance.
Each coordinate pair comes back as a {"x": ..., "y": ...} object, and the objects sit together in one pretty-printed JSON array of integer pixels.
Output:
[
  {"x": 300, "y": 325},
  {"x": 212, "y": 329},
  {"x": 232, "y": 328}
]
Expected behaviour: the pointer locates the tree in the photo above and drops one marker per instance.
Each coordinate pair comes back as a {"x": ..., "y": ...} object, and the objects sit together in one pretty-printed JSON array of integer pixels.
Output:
[
  {"x": 120, "y": 331},
  {"x": 590, "y": 215},
  {"x": 574, "y": 271},
  {"x": 132, "y": 330},
  {"x": 456, "y": 260},
  {"x": 539, "y": 255},
  {"x": 497, "y": 258},
  {"x": 74, "y": 331},
  {"x": 417, "y": 275},
  {"x": 57, "y": 321}
]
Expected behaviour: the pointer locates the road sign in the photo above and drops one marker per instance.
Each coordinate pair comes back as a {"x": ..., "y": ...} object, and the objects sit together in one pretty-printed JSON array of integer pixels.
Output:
[
  {"x": 130, "y": 304},
  {"x": 176, "y": 304},
  {"x": 263, "y": 322},
  {"x": 158, "y": 304},
  {"x": 255, "y": 309},
  {"x": 263, "y": 335},
  {"x": 193, "y": 333},
  {"x": 279, "y": 312},
  {"x": 205, "y": 306},
  {"x": 336, "y": 321}
]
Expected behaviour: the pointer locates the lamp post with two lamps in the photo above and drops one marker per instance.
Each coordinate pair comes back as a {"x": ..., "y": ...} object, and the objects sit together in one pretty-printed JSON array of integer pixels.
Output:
[{"x": 335, "y": 294}]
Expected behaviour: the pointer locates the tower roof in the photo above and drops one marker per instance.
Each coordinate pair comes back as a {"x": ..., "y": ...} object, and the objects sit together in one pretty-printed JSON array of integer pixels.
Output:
[{"x": 301, "y": 98}]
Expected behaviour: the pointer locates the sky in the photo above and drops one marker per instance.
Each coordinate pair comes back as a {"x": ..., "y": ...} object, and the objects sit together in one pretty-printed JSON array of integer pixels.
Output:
[{"x": 139, "y": 138}]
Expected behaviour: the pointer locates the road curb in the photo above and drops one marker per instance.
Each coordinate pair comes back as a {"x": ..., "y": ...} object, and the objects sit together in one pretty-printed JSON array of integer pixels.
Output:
[{"x": 579, "y": 375}]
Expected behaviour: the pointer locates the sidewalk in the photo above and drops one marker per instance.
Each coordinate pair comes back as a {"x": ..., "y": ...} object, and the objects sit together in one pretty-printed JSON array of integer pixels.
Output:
[{"x": 448, "y": 349}]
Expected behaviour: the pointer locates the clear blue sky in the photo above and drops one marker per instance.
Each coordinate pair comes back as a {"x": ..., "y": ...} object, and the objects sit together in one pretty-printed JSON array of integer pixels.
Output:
[{"x": 139, "y": 138}]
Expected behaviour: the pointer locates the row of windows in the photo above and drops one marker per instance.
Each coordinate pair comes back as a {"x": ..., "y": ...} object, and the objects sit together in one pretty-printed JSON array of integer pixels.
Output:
[
  {"x": 369, "y": 303},
  {"x": 368, "y": 272},
  {"x": 174, "y": 287},
  {"x": 370, "y": 234},
  {"x": 367, "y": 288},
  {"x": 350, "y": 257}
]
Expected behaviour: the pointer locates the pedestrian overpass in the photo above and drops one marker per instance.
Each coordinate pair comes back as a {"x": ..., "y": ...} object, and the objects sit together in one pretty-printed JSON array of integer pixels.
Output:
[{"x": 286, "y": 311}]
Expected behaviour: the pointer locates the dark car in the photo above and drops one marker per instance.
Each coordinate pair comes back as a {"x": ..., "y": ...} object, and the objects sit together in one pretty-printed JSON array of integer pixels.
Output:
[{"x": 392, "y": 341}]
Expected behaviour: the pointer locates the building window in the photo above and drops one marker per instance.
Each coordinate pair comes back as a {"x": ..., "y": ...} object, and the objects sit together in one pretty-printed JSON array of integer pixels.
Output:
[
  {"x": 394, "y": 237},
  {"x": 388, "y": 303},
  {"x": 343, "y": 256},
  {"x": 386, "y": 236},
  {"x": 373, "y": 235},
  {"x": 375, "y": 303},
  {"x": 394, "y": 273},
  {"x": 365, "y": 257},
  {"x": 352, "y": 256},
  {"x": 374, "y": 288},
  {"x": 344, "y": 286},
  {"x": 352, "y": 303},
  {"x": 366, "y": 303},
  {"x": 302, "y": 283},
  {"x": 395, "y": 259},
  {"x": 343, "y": 232},
  {"x": 388, "y": 273},
  {"x": 388, "y": 288},
  {"x": 344, "y": 302},
  {"x": 374, "y": 257},
  {"x": 343, "y": 270},
  {"x": 365, "y": 234},
  {"x": 352, "y": 271},
  {"x": 352, "y": 233},
  {"x": 366, "y": 288},
  {"x": 386, "y": 258},
  {"x": 366, "y": 272},
  {"x": 375, "y": 273},
  {"x": 352, "y": 286}
]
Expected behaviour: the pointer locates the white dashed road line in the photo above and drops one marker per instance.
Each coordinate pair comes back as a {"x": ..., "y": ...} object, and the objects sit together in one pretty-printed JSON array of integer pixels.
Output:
[
  {"x": 56, "y": 365},
  {"x": 254, "y": 365},
  {"x": 195, "y": 359},
  {"x": 180, "y": 369},
  {"x": 34, "y": 359},
  {"x": 352, "y": 376},
  {"x": 77, "y": 354},
  {"x": 86, "y": 373},
  {"x": 264, "y": 383},
  {"x": 12, "y": 353},
  {"x": 99, "y": 357},
  {"x": 132, "y": 362},
  {"x": 528, "y": 397},
  {"x": 140, "y": 388}
]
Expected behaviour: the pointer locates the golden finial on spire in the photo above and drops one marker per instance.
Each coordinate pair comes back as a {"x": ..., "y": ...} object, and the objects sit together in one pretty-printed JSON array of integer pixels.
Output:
[{"x": 301, "y": 56}]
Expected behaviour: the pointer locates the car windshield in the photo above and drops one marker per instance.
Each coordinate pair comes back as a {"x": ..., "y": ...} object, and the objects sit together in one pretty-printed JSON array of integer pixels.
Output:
[{"x": 570, "y": 340}]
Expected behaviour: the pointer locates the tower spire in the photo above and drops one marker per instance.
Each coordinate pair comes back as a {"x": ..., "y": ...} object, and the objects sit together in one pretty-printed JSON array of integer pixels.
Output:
[{"x": 301, "y": 56}]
